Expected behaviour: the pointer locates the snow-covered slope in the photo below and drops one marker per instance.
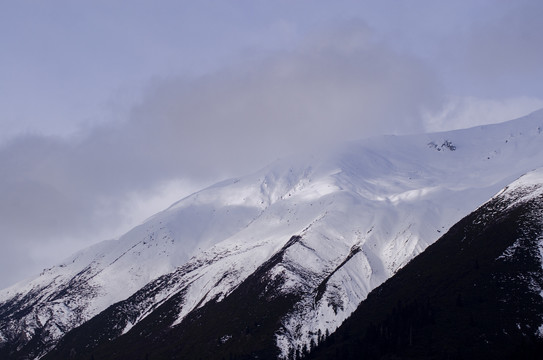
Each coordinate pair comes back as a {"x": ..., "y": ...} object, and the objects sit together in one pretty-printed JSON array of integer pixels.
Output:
[
  {"x": 362, "y": 211},
  {"x": 476, "y": 293}
]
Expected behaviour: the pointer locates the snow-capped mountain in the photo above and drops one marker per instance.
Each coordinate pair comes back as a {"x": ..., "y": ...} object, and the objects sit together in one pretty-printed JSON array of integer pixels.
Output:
[{"x": 321, "y": 230}]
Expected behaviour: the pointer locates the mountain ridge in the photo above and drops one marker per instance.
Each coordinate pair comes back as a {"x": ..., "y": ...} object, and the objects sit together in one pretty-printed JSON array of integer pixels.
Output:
[
  {"x": 242, "y": 325},
  {"x": 389, "y": 197}
]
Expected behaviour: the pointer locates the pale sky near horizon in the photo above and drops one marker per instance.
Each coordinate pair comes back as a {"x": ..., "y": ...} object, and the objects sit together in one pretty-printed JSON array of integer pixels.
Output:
[{"x": 111, "y": 110}]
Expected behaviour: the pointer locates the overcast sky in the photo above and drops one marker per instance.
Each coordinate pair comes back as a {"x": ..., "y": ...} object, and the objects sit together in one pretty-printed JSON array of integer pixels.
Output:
[{"x": 111, "y": 110}]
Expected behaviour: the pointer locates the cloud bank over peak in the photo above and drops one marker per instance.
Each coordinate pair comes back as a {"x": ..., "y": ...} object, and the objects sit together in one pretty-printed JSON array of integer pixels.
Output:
[
  {"x": 230, "y": 87},
  {"x": 337, "y": 87}
]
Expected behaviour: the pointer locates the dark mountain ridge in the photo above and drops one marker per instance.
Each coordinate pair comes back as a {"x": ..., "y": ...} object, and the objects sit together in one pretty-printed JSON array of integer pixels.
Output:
[{"x": 474, "y": 294}]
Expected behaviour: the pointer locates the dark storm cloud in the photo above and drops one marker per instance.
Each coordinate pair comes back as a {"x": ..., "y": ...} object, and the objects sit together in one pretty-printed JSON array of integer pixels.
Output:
[{"x": 339, "y": 85}]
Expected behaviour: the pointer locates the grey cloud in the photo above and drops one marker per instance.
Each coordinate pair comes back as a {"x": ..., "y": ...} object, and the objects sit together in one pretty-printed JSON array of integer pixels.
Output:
[
  {"x": 500, "y": 56},
  {"x": 332, "y": 88}
]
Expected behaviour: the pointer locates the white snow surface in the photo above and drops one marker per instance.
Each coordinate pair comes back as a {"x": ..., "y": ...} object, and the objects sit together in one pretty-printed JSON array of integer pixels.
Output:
[{"x": 363, "y": 211}]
